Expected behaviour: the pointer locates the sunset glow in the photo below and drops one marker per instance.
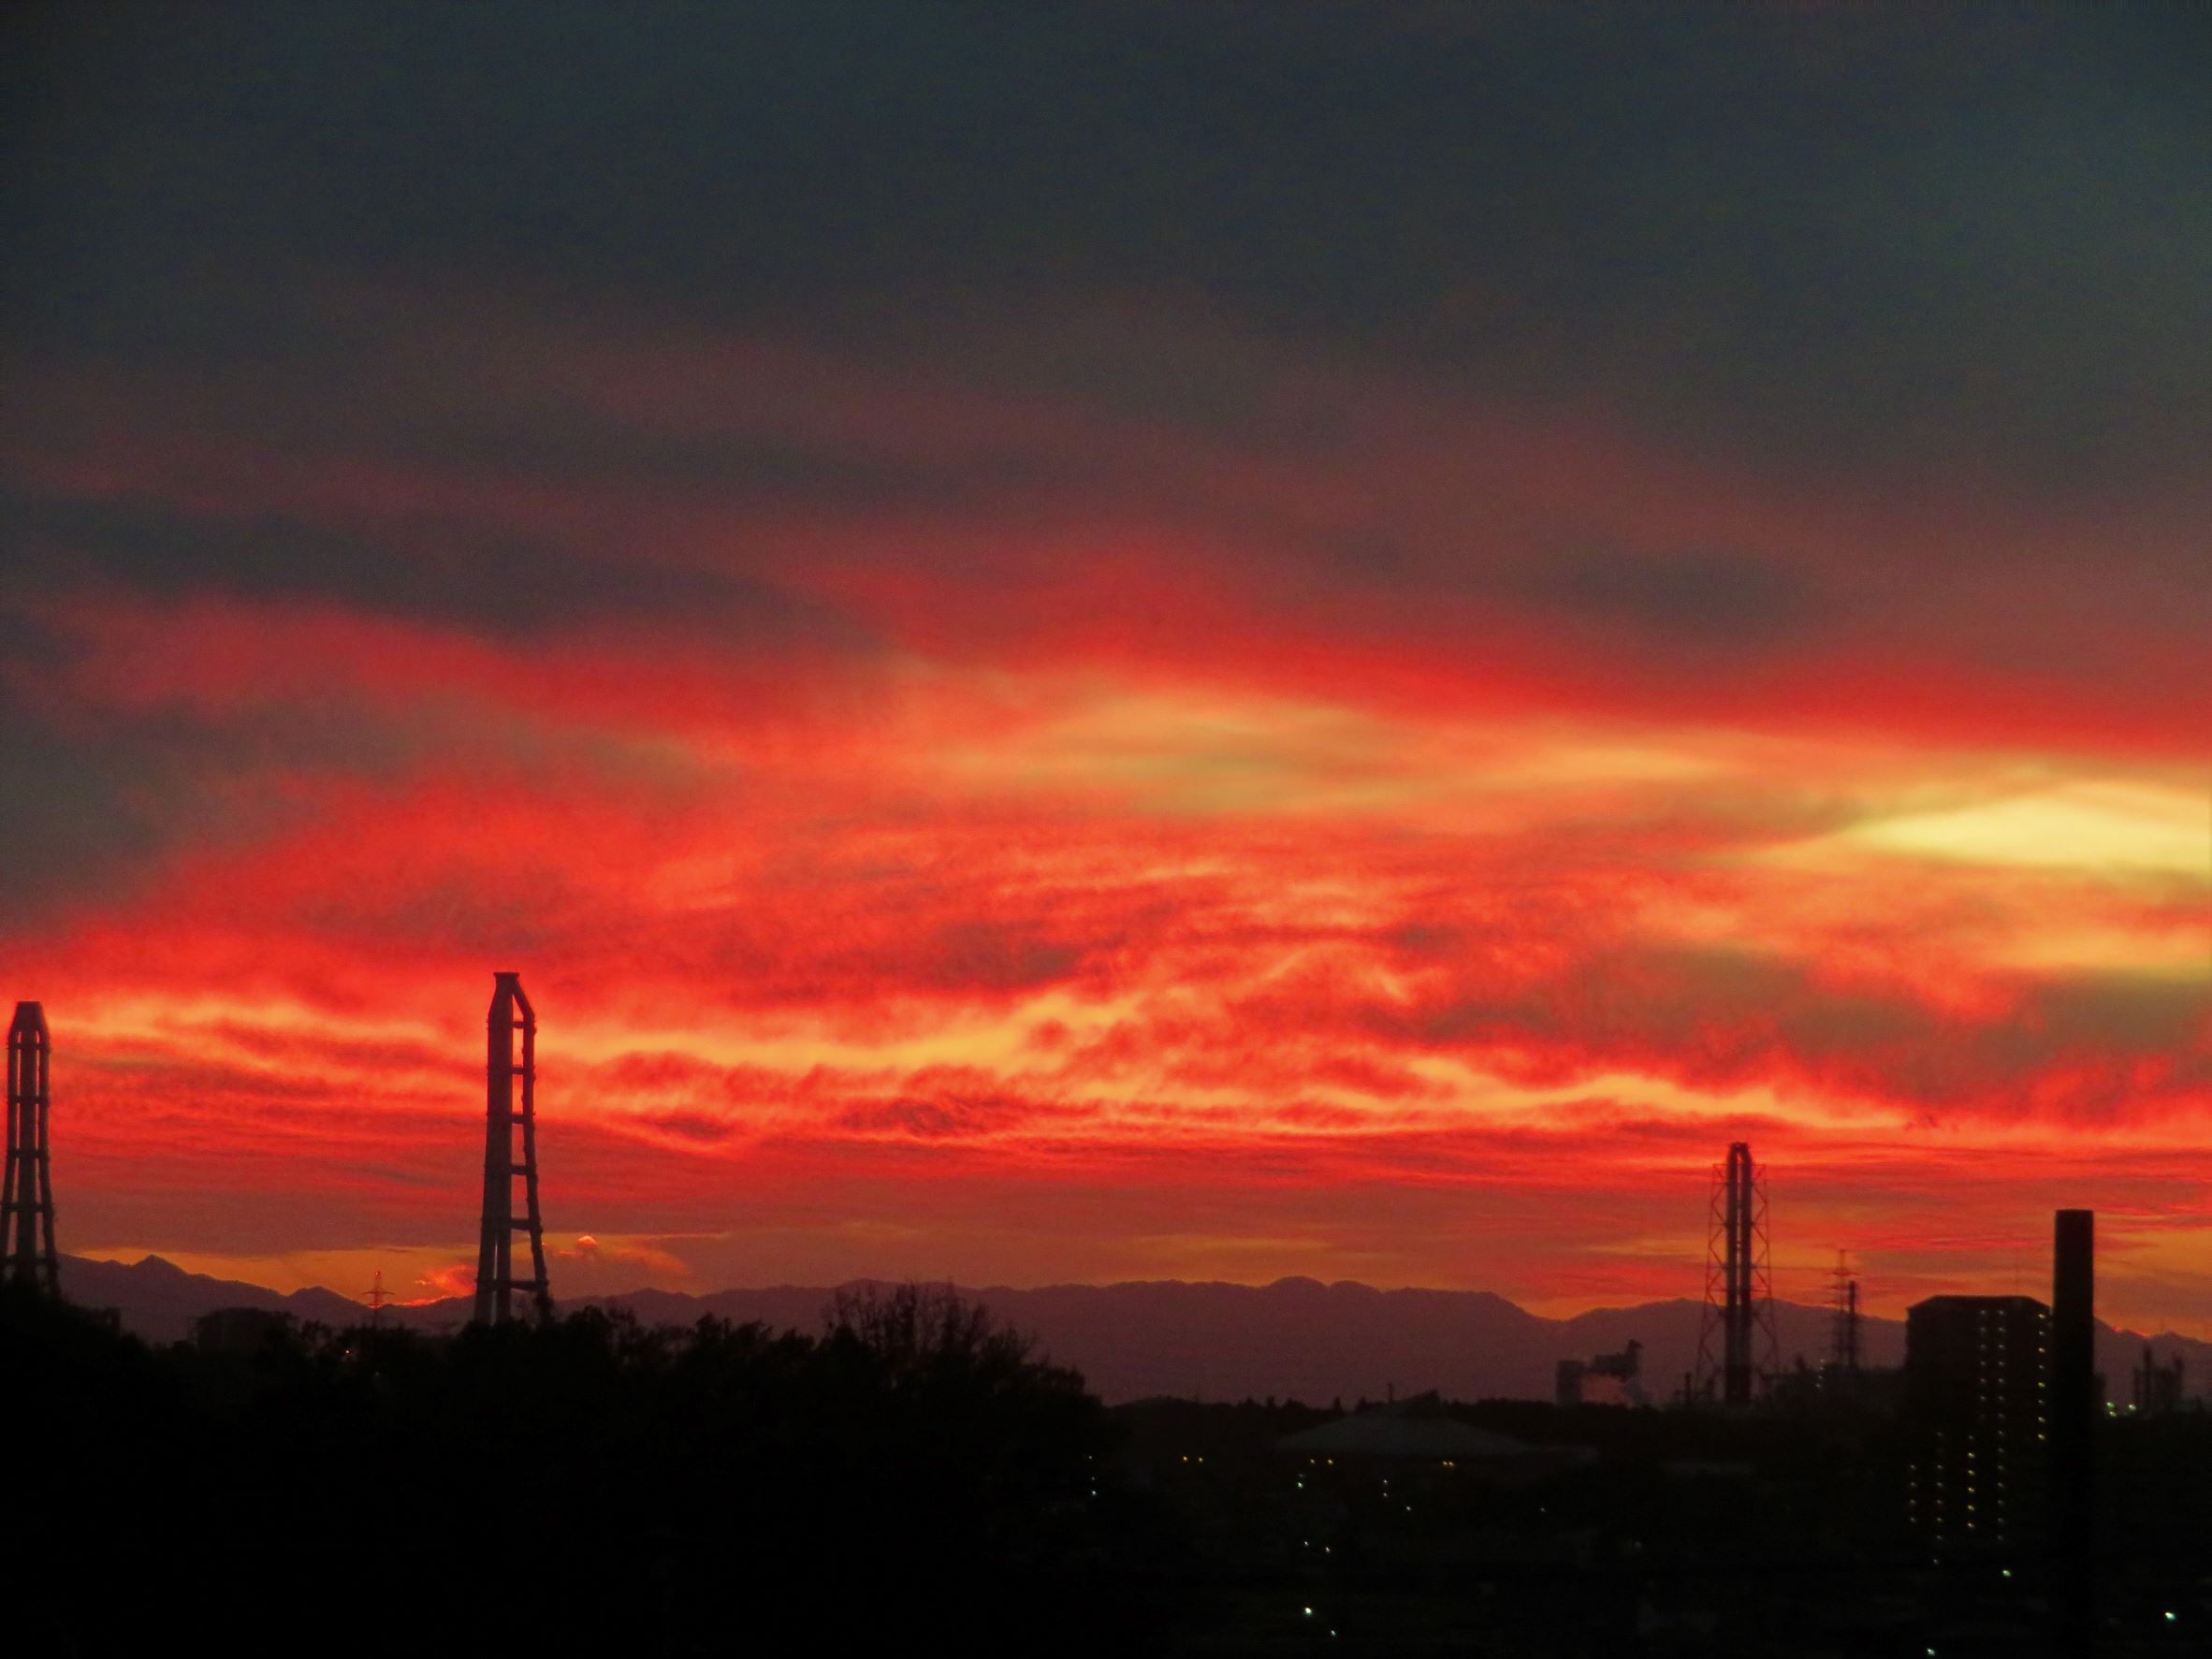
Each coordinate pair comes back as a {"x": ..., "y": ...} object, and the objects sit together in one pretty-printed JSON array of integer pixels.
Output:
[{"x": 1103, "y": 785}]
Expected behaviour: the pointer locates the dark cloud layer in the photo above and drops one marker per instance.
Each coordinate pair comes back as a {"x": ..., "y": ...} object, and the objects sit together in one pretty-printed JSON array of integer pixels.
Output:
[
  {"x": 1937, "y": 237},
  {"x": 482, "y": 578},
  {"x": 1704, "y": 598}
]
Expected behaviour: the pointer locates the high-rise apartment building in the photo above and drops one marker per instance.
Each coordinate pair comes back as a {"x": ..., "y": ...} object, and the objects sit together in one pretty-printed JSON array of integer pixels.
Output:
[{"x": 1977, "y": 1387}]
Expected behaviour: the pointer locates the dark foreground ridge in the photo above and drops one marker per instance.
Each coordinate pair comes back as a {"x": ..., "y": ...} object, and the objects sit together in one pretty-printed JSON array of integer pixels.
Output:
[
  {"x": 910, "y": 1476},
  {"x": 587, "y": 1486}
]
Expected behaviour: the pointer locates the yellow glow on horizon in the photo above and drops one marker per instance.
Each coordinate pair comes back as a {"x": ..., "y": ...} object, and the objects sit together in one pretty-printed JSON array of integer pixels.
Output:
[
  {"x": 2118, "y": 828},
  {"x": 1203, "y": 751}
]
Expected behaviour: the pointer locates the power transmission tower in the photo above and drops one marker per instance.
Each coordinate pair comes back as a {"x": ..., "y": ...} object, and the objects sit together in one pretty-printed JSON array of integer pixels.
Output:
[
  {"x": 26, "y": 1206},
  {"x": 1843, "y": 1340},
  {"x": 511, "y": 1075}
]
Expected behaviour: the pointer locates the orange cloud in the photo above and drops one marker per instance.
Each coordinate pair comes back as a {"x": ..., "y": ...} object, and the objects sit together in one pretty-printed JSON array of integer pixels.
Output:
[{"x": 970, "y": 861}]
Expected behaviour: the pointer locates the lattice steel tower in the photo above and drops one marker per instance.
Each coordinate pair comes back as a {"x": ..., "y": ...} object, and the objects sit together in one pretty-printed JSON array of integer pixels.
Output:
[
  {"x": 1843, "y": 1306},
  {"x": 26, "y": 1207},
  {"x": 512, "y": 1066},
  {"x": 1739, "y": 1283}
]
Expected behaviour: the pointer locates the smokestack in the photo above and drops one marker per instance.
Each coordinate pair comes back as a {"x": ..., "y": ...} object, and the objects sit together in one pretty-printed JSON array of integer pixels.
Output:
[
  {"x": 26, "y": 1199},
  {"x": 1738, "y": 1311},
  {"x": 1739, "y": 1292},
  {"x": 2073, "y": 1416}
]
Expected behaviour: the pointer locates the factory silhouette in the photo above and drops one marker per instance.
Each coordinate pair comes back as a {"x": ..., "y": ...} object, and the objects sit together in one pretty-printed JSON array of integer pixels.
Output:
[{"x": 1962, "y": 1489}]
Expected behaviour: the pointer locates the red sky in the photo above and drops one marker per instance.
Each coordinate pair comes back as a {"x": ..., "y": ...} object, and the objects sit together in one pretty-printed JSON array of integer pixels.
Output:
[{"x": 995, "y": 773}]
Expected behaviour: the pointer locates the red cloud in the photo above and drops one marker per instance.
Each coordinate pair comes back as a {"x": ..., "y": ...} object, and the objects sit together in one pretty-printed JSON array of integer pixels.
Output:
[{"x": 1082, "y": 823}]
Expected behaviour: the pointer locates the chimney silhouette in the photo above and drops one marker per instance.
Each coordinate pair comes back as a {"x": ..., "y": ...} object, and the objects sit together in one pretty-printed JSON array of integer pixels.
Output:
[
  {"x": 1739, "y": 1295},
  {"x": 2073, "y": 1421},
  {"x": 26, "y": 1202},
  {"x": 511, "y": 1030}
]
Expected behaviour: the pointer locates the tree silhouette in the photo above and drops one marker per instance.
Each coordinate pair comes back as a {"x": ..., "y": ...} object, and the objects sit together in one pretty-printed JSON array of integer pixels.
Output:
[{"x": 590, "y": 1484}]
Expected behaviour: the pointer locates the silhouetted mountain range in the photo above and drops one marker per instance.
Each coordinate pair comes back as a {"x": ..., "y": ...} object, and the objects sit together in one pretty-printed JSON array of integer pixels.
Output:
[
  {"x": 159, "y": 1299},
  {"x": 1294, "y": 1339}
]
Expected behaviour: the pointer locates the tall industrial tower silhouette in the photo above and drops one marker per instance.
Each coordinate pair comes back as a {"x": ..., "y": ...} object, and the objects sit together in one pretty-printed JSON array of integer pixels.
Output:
[
  {"x": 511, "y": 1061},
  {"x": 1739, "y": 1283},
  {"x": 2073, "y": 1401},
  {"x": 27, "y": 1209}
]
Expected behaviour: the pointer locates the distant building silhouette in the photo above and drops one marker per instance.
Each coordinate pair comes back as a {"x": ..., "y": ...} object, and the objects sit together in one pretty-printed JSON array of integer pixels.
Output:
[
  {"x": 239, "y": 1332},
  {"x": 26, "y": 1202},
  {"x": 1414, "y": 1428},
  {"x": 1570, "y": 1382},
  {"x": 1976, "y": 1398},
  {"x": 2158, "y": 1386}
]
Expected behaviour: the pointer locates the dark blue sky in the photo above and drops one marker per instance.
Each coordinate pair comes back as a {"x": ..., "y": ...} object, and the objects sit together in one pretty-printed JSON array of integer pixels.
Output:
[{"x": 1978, "y": 234}]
